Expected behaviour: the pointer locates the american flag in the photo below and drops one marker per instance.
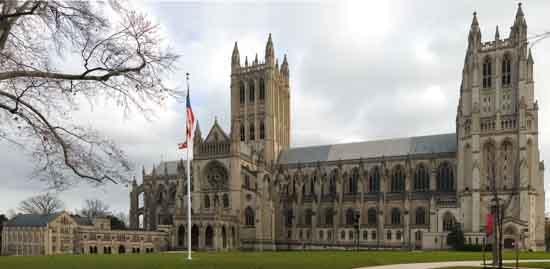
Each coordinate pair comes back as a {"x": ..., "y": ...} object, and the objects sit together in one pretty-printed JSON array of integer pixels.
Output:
[{"x": 189, "y": 125}]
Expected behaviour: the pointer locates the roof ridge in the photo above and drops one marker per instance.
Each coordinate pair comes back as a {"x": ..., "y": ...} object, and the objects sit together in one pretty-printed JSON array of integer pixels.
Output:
[{"x": 367, "y": 141}]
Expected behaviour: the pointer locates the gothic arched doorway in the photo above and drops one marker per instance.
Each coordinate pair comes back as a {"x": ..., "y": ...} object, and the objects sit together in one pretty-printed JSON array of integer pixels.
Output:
[
  {"x": 509, "y": 243},
  {"x": 209, "y": 237},
  {"x": 224, "y": 238},
  {"x": 181, "y": 236},
  {"x": 195, "y": 237},
  {"x": 121, "y": 249}
]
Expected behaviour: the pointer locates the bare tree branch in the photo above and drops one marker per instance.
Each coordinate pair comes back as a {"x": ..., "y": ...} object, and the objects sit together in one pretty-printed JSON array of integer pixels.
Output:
[
  {"x": 119, "y": 58},
  {"x": 41, "y": 204}
]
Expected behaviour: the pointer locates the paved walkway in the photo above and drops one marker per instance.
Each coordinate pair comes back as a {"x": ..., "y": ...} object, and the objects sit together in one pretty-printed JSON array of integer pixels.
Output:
[{"x": 433, "y": 265}]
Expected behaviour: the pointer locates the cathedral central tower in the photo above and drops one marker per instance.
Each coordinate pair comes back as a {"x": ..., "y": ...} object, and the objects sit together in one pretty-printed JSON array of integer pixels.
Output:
[{"x": 260, "y": 103}]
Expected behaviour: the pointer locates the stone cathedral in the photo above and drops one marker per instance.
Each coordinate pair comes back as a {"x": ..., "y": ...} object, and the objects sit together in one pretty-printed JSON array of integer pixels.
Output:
[{"x": 252, "y": 191}]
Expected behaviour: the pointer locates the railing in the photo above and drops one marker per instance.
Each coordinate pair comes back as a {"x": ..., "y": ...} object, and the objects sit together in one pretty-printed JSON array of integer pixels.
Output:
[{"x": 214, "y": 149}]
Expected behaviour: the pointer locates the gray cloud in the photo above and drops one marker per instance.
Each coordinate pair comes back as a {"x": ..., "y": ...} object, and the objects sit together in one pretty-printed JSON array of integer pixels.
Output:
[{"x": 359, "y": 70}]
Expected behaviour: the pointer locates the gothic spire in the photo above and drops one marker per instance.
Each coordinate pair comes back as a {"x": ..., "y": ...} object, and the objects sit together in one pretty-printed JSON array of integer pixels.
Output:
[
  {"x": 198, "y": 130},
  {"x": 474, "y": 38},
  {"x": 520, "y": 16},
  {"x": 475, "y": 23},
  {"x": 497, "y": 34},
  {"x": 284, "y": 66},
  {"x": 519, "y": 29},
  {"x": 235, "y": 57},
  {"x": 256, "y": 59},
  {"x": 519, "y": 12},
  {"x": 269, "y": 51}
]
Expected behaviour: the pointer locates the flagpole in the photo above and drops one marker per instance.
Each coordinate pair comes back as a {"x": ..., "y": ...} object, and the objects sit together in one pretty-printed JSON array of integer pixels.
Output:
[{"x": 188, "y": 186}]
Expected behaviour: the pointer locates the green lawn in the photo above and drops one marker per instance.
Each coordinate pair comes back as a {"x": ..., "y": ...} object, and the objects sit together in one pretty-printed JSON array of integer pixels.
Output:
[
  {"x": 544, "y": 265},
  {"x": 246, "y": 260}
]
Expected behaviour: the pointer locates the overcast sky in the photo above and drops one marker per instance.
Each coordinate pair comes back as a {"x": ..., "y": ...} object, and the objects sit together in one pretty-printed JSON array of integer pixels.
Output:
[{"x": 359, "y": 70}]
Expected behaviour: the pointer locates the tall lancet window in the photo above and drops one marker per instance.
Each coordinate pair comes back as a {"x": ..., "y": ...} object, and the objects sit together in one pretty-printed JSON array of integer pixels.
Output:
[
  {"x": 243, "y": 136},
  {"x": 262, "y": 89},
  {"x": 242, "y": 94},
  {"x": 251, "y": 132},
  {"x": 506, "y": 71},
  {"x": 251, "y": 91},
  {"x": 487, "y": 73},
  {"x": 262, "y": 130}
]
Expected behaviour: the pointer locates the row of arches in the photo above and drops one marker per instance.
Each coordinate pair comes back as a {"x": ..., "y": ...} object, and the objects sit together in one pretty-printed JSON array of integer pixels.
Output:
[
  {"x": 327, "y": 217},
  {"x": 250, "y": 86},
  {"x": 488, "y": 73},
  {"x": 421, "y": 177},
  {"x": 226, "y": 235},
  {"x": 216, "y": 199},
  {"x": 252, "y": 131}
]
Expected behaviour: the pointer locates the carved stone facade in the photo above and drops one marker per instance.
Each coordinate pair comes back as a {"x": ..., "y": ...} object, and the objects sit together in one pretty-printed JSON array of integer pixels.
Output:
[
  {"x": 62, "y": 233},
  {"x": 250, "y": 190}
]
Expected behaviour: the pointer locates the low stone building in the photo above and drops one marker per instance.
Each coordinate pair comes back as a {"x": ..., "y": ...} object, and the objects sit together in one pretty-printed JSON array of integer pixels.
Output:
[{"x": 62, "y": 233}]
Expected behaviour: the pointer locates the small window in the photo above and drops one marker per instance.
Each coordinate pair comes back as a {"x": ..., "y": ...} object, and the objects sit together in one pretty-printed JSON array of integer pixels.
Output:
[
  {"x": 388, "y": 235},
  {"x": 373, "y": 235},
  {"x": 226, "y": 200},
  {"x": 249, "y": 216},
  {"x": 206, "y": 201},
  {"x": 365, "y": 235},
  {"x": 343, "y": 235},
  {"x": 395, "y": 216}
]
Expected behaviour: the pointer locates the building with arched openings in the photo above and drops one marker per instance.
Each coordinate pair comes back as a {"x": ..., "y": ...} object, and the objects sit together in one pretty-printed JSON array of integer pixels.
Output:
[{"x": 251, "y": 190}]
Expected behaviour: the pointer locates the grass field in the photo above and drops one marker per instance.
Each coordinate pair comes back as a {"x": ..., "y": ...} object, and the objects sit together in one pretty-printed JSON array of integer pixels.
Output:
[{"x": 245, "y": 260}]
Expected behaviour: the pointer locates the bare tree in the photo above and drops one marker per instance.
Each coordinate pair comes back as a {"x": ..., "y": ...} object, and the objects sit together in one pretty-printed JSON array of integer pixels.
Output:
[
  {"x": 115, "y": 56},
  {"x": 95, "y": 208},
  {"x": 44, "y": 204},
  {"x": 500, "y": 203}
]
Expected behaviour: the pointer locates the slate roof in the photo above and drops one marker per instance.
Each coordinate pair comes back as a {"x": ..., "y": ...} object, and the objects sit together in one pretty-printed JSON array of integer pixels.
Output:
[
  {"x": 37, "y": 220},
  {"x": 31, "y": 220},
  {"x": 441, "y": 143}
]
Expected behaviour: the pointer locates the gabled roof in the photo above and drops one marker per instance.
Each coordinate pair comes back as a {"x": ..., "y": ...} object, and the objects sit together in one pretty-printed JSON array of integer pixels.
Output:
[
  {"x": 442, "y": 143},
  {"x": 31, "y": 220},
  {"x": 216, "y": 134}
]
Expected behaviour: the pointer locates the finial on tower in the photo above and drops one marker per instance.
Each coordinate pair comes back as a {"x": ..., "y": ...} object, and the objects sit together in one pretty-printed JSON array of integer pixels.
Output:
[
  {"x": 474, "y": 20},
  {"x": 519, "y": 12},
  {"x": 497, "y": 34},
  {"x": 235, "y": 57},
  {"x": 474, "y": 38},
  {"x": 284, "y": 66},
  {"x": 256, "y": 59},
  {"x": 245, "y": 60},
  {"x": 269, "y": 51}
]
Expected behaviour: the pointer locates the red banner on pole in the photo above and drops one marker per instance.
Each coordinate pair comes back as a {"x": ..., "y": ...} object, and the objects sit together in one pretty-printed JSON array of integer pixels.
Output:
[{"x": 489, "y": 224}]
